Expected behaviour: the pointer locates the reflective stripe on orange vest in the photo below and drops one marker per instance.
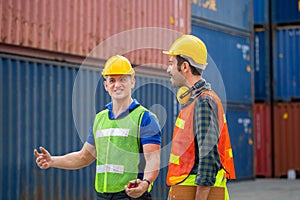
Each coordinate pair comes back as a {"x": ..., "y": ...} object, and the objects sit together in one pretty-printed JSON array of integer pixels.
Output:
[{"x": 183, "y": 153}]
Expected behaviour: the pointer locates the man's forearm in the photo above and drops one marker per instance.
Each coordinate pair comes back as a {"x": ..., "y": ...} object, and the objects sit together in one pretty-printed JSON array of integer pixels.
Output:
[
  {"x": 68, "y": 161},
  {"x": 152, "y": 157},
  {"x": 75, "y": 160}
]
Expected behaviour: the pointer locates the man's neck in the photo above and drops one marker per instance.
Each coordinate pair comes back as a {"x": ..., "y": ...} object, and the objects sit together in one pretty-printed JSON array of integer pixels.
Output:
[
  {"x": 120, "y": 106},
  {"x": 192, "y": 80}
]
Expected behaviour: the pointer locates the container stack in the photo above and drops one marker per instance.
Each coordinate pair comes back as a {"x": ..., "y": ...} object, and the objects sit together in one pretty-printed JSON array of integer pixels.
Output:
[
  {"x": 286, "y": 85},
  {"x": 226, "y": 27},
  {"x": 277, "y": 84},
  {"x": 263, "y": 96},
  {"x": 52, "y": 53},
  {"x": 51, "y": 56}
]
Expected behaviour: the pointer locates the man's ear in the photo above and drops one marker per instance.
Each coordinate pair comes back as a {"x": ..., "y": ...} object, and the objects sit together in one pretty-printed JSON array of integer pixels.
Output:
[
  {"x": 132, "y": 82},
  {"x": 185, "y": 67},
  {"x": 105, "y": 85}
]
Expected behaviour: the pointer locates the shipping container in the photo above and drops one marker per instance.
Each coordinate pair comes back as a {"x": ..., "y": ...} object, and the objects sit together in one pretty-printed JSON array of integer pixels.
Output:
[
  {"x": 52, "y": 104},
  {"x": 230, "y": 59},
  {"x": 263, "y": 139},
  {"x": 261, "y": 12},
  {"x": 262, "y": 67},
  {"x": 237, "y": 15},
  {"x": 286, "y": 70},
  {"x": 240, "y": 122},
  {"x": 286, "y": 12},
  {"x": 286, "y": 138},
  {"x": 36, "y": 109},
  {"x": 139, "y": 29}
]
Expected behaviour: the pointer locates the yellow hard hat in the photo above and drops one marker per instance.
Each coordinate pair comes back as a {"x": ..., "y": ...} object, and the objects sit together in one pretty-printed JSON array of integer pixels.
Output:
[
  {"x": 190, "y": 47},
  {"x": 117, "y": 65}
]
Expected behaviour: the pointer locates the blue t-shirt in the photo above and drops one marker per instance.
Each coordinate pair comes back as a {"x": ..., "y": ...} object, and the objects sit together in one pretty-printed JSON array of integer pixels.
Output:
[{"x": 150, "y": 130}]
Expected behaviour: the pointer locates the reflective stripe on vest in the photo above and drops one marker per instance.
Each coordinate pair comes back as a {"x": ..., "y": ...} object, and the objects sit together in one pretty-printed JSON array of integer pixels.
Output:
[
  {"x": 117, "y": 144},
  {"x": 183, "y": 153},
  {"x": 112, "y": 132},
  {"x": 118, "y": 169}
]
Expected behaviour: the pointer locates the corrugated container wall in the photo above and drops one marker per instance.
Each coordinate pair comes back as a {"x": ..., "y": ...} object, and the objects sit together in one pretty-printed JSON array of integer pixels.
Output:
[
  {"x": 286, "y": 70},
  {"x": 221, "y": 12},
  {"x": 261, "y": 12},
  {"x": 96, "y": 28},
  {"x": 262, "y": 68},
  {"x": 227, "y": 63},
  {"x": 240, "y": 126},
  {"x": 227, "y": 35},
  {"x": 286, "y": 12},
  {"x": 286, "y": 138},
  {"x": 36, "y": 109},
  {"x": 263, "y": 139},
  {"x": 53, "y": 104}
]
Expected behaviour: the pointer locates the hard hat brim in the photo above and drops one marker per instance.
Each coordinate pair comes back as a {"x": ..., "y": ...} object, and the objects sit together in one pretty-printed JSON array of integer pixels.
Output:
[{"x": 168, "y": 53}]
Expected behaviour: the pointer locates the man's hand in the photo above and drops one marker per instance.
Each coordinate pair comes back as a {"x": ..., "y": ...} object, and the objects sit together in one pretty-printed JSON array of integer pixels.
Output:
[
  {"x": 43, "y": 159},
  {"x": 139, "y": 190}
]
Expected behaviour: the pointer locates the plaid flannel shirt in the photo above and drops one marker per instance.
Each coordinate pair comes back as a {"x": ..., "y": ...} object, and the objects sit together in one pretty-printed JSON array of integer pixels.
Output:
[{"x": 206, "y": 129}]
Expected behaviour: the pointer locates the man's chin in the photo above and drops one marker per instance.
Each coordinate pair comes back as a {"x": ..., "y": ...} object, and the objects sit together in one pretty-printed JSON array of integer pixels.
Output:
[{"x": 118, "y": 96}]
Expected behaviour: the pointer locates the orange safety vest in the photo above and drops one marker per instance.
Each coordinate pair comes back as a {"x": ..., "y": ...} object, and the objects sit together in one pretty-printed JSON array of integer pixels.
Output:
[{"x": 182, "y": 156}]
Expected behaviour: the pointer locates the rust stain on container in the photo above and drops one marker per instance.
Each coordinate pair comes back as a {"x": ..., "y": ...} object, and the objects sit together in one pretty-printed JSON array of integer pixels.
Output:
[
  {"x": 286, "y": 137},
  {"x": 263, "y": 139},
  {"x": 79, "y": 27}
]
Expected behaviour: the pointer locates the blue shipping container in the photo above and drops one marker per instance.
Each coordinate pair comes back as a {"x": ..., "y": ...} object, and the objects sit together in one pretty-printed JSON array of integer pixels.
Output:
[
  {"x": 53, "y": 104},
  {"x": 230, "y": 55},
  {"x": 286, "y": 72},
  {"x": 262, "y": 65},
  {"x": 236, "y": 14},
  {"x": 261, "y": 12},
  {"x": 285, "y": 12},
  {"x": 36, "y": 109},
  {"x": 240, "y": 126}
]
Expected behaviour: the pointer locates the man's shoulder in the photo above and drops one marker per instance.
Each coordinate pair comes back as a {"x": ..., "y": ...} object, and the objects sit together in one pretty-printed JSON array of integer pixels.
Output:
[{"x": 206, "y": 97}]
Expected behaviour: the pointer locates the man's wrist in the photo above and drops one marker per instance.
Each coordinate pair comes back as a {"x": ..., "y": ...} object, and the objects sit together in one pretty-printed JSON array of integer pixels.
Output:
[{"x": 146, "y": 180}]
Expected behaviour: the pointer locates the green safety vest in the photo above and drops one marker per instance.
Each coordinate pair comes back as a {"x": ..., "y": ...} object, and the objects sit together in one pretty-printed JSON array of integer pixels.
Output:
[{"x": 117, "y": 144}]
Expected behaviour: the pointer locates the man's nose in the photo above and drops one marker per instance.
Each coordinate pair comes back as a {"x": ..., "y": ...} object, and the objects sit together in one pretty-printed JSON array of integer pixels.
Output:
[
  {"x": 117, "y": 83},
  {"x": 169, "y": 68}
]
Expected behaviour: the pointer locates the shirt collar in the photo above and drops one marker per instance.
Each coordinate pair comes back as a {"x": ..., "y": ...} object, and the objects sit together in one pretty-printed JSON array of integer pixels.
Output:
[{"x": 134, "y": 104}]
